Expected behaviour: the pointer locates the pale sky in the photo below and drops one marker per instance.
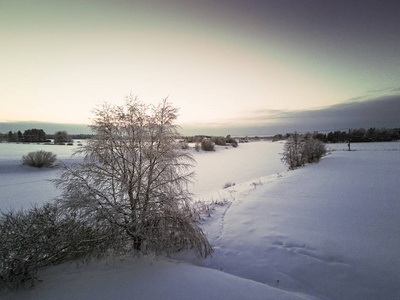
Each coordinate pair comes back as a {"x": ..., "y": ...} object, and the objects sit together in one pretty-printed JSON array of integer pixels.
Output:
[{"x": 220, "y": 62}]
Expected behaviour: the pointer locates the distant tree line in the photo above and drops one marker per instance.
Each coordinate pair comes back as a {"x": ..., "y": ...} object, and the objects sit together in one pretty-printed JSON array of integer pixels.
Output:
[
  {"x": 39, "y": 136},
  {"x": 72, "y": 136},
  {"x": 352, "y": 135},
  {"x": 360, "y": 135},
  {"x": 29, "y": 136},
  {"x": 81, "y": 136}
]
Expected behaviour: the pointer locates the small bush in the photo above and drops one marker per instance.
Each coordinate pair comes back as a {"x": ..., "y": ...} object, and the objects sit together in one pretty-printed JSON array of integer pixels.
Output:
[
  {"x": 197, "y": 147},
  {"x": 231, "y": 141},
  {"x": 39, "y": 159},
  {"x": 219, "y": 140},
  {"x": 234, "y": 143},
  {"x": 184, "y": 145},
  {"x": 207, "y": 145},
  {"x": 228, "y": 184}
]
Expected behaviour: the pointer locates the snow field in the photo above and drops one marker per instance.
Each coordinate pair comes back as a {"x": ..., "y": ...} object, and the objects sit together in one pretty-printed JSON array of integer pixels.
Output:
[
  {"x": 330, "y": 229},
  {"x": 326, "y": 231},
  {"x": 24, "y": 186}
]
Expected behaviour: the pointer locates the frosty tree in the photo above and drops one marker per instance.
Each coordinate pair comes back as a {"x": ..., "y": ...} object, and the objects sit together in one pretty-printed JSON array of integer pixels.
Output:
[{"x": 134, "y": 179}]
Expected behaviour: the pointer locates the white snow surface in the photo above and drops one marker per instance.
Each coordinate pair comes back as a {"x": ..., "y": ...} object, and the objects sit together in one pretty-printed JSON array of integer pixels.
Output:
[{"x": 329, "y": 230}]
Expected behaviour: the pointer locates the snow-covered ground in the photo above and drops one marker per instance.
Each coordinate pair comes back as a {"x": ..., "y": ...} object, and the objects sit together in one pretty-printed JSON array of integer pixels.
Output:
[
  {"x": 326, "y": 231},
  {"x": 24, "y": 186}
]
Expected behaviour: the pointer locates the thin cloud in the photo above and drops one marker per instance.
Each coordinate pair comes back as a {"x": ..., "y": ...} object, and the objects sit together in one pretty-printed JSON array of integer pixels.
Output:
[
  {"x": 379, "y": 112},
  {"x": 396, "y": 90},
  {"x": 377, "y": 93}
]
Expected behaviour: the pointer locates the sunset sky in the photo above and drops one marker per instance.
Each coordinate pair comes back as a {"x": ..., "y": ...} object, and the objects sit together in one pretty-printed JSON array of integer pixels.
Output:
[{"x": 221, "y": 62}]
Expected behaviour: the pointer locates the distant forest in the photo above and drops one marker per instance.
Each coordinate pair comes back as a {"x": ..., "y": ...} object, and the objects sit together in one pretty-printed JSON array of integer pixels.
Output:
[{"x": 361, "y": 135}]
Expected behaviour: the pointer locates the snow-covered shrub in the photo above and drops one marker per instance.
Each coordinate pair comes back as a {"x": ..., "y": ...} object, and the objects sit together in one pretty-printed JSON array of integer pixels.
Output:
[
  {"x": 44, "y": 236},
  {"x": 39, "y": 159},
  {"x": 228, "y": 184},
  {"x": 302, "y": 149},
  {"x": 314, "y": 149},
  {"x": 219, "y": 140},
  {"x": 207, "y": 145},
  {"x": 231, "y": 141}
]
